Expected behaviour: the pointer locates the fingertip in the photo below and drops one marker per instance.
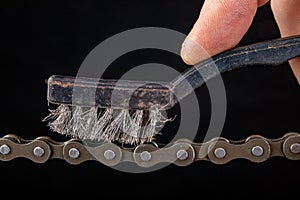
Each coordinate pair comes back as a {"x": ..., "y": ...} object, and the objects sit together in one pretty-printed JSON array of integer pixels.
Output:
[
  {"x": 221, "y": 25},
  {"x": 192, "y": 52},
  {"x": 184, "y": 53}
]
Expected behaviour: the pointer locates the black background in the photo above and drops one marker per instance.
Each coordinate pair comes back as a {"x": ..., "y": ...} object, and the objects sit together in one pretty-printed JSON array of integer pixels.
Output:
[{"x": 41, "y": 38}]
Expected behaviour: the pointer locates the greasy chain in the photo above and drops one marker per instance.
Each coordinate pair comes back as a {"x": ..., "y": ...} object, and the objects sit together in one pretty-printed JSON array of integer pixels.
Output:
[{"x": 182, "y": 152}]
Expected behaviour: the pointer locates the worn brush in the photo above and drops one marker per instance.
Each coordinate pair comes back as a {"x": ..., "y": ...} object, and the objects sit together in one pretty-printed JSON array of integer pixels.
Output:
[
  {"x": 130, "y": 112},
  {"x": 125, "y": 111}
]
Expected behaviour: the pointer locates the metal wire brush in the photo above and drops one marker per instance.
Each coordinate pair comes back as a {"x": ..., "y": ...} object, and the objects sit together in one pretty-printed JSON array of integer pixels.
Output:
[
  {"x": 130, "y": 111},
  {"x": 132, "y": 117}
]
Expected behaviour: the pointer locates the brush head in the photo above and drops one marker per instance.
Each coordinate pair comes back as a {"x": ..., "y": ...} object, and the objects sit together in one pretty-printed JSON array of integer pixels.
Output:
[
  {"x": 127, "y": 112},
  {"x": 115, "y": 94}
]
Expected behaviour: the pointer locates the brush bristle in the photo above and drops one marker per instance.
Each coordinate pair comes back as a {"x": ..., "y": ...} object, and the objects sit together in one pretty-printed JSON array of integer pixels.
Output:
[{"x": 108, "y": 125}]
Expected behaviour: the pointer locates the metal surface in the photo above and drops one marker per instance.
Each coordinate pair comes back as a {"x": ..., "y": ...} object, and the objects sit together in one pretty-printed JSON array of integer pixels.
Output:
[
  {"x": 220, "y": 152},
  {"x": 38, "y": 151},
  {"x": 109, "y": 154},
  {"x": 4, "y": 149},
  {"x": 74, "y": 153},
  {"x": 295, "y": 148},
  {"x": 257, "y": 151},
  {"x": 182, "y": 153},
  {"x": 145, "y": 156}
]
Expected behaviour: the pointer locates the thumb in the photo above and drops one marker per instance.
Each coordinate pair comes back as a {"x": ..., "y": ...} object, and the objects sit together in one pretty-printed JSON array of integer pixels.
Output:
[{"x": 220, "y": 26}]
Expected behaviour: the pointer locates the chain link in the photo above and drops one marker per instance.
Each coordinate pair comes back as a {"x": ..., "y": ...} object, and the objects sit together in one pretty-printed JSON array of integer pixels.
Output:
[{"x": 182, "y": 152}]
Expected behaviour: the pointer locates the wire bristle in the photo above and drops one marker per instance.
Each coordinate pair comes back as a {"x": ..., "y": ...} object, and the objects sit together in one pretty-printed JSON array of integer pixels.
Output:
[{"x": 123, "y": 126}]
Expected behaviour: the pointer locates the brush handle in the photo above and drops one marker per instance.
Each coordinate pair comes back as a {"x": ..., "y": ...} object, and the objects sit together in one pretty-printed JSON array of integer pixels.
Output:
[
  {"x": 269, "y": 53},
  {"x": 128, "y": 94}
]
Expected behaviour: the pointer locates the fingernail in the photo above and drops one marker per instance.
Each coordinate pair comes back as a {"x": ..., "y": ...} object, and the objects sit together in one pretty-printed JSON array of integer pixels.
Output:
[
  {"x": 192, "y": 52},
  {"x": 186, "y": 51}
]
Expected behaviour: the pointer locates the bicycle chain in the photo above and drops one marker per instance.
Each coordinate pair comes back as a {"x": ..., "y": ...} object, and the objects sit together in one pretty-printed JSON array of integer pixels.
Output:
[{"x": 182, "y": 152}]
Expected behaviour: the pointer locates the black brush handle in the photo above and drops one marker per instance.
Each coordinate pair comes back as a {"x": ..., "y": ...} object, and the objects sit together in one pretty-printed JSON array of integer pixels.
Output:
[
  {"x": 268, "y": 53},
  {"x": 143, "y": 95}
]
